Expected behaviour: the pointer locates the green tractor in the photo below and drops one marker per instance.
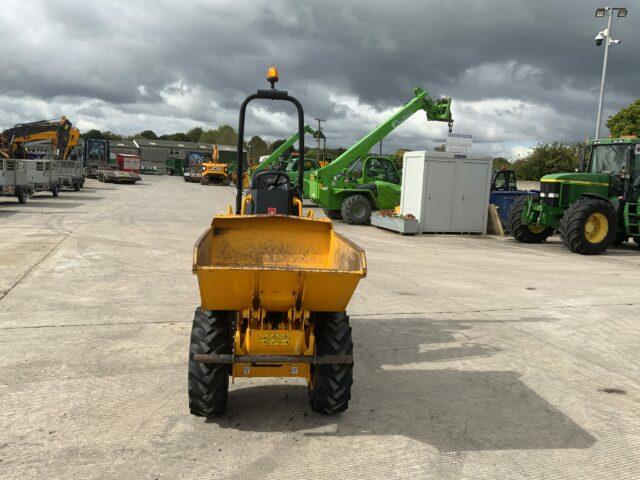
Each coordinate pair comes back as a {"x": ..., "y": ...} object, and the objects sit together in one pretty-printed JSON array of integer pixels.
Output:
[
  {"x": 593, "y": 208},
  {"x": 356, "y": 182}
]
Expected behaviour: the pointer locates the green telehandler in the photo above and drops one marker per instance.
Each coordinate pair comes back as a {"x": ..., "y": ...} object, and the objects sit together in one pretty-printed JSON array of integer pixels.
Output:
[
  {"x": 356, "y": 183},
  {"x": 593, "y": 208}
]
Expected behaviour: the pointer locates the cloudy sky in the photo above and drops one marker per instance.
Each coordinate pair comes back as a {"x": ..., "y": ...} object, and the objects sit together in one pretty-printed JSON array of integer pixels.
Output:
[{"x": 519, "y": 71}]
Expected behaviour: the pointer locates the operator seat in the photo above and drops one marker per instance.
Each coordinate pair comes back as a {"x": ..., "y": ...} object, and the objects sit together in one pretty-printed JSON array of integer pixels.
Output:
[{"x": 272, "y": 193}]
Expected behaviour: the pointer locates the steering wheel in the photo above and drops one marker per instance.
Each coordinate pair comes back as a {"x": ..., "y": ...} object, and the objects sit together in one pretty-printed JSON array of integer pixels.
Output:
[{"x": 276, "y": 181}]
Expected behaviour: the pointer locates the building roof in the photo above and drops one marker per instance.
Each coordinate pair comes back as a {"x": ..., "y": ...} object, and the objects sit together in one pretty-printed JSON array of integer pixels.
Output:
[
  {"x": 143, "y": 142},
  {"x": 122, "y": 144}
]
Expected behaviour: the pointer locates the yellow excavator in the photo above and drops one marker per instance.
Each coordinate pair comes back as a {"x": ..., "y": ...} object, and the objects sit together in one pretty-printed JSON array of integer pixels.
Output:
[
  {"x": 62, "y": 135},
  {"x": 215, "y": 172}
]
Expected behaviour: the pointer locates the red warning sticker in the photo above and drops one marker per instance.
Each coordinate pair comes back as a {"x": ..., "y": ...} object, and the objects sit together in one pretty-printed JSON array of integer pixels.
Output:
[{"x": 272, "y": 210}]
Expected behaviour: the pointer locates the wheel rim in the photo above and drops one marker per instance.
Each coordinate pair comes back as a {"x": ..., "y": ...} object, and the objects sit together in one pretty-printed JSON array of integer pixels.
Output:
[
  {"x": 358, "y": 210},
  {"x": 536, "y": 228},
  {"x": 596, "y": 228}
]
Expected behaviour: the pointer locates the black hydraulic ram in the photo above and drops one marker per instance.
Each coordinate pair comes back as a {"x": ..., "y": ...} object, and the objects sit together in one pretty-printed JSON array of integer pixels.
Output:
[{"x": 275, "y": 359}]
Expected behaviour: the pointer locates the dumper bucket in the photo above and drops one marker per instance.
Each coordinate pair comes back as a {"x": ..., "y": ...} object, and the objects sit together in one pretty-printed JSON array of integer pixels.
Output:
[{"x": 277, "y": 263}]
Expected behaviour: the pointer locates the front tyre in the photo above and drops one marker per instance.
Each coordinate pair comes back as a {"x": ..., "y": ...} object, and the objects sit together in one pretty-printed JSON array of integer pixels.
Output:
[
  {"x": 330, "y": 385},
  {"x": 589, "y": 226},
  {"x": 523, "y": 232},
  {"x": 209, "y": 382},
  {"x": 356, "y": 210}
]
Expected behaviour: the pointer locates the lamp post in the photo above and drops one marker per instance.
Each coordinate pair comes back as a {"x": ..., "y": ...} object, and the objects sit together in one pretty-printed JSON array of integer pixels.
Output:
[{"x": 605, "y": 36}]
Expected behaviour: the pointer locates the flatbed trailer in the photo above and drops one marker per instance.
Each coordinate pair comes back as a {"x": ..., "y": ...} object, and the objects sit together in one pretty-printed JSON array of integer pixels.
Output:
[
  {"x": 42, "y": 176},
  {"x": 13, "y": 179},
  {"x": 71, "y": 174},
  {"x": 117, "y": 176}
]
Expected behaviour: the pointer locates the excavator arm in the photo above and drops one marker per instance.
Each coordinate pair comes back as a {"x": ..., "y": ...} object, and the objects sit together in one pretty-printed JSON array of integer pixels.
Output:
[
  {"x": 61, "y": 133},
  {"x": 436, "y": 110}
]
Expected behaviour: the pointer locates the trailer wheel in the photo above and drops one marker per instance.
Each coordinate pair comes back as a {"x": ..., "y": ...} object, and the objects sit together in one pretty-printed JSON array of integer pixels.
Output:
[
  {"x": 330, "y": 385},
  {"x": 589, "y": 226},
  {"x": 333, "y": 214},
  {"x": 522, "y": 232},
  {"x": 356, "y": 210},
  {"x": 22, "y": 195},
  {"x": 209, "y": 383},
  {"x": 55, "y": 190}
]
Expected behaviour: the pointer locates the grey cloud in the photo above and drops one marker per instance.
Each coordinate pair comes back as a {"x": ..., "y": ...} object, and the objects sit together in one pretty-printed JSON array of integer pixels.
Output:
[{"x": 538, "y": 53}]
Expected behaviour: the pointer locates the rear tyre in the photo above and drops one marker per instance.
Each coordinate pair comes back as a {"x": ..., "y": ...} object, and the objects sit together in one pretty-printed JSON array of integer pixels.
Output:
[
  {"x": 589, "y": 226},
  {"x": 208, "y": 382},
  {"x": 522, "y": 232},
  {"x": 356, "y": 210},
  {"x": 333, "y": 214},
  {"x": 76, "y": 187},
  {"x": 330, "y": 385},
  {"x": 22, "y": 195},
  {"x": 55, "y": 190}
]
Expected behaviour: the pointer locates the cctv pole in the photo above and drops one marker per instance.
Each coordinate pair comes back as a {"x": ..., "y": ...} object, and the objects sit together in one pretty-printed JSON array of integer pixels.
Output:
[{"x": 607, "y": 41}]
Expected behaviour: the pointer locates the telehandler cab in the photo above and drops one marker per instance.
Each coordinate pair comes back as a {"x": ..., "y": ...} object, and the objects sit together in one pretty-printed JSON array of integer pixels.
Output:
[{"x": 274, "y": 287}]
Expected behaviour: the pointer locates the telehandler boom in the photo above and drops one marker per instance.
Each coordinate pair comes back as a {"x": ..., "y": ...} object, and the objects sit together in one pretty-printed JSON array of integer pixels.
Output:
[{"x": 356, "y": 183}]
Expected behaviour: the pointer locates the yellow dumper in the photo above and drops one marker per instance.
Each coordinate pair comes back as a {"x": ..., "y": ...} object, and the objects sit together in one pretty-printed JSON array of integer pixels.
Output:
[{"x": 274, "y": 287}]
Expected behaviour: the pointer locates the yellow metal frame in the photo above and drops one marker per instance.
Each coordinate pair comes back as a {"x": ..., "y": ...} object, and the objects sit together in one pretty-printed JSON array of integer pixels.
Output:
[{"x": 274, "y": 270}]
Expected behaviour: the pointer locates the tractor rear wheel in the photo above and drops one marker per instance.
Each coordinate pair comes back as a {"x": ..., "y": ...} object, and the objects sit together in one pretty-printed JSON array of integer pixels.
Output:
[
  {"x": 589, "y": 226},
  {"x": 356, "y": 210},
  {"x": 333, "y": 214},
  {"x": 209, "y": 382},
  {"x": 330, "y": 385},
  {"x": 523, "y": 232}
]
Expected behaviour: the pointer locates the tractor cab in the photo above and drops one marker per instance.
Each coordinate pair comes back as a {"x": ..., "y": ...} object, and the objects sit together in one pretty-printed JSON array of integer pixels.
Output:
[
  {"x": 503, "y": 181},
  {"x": 620, "y": 159}
]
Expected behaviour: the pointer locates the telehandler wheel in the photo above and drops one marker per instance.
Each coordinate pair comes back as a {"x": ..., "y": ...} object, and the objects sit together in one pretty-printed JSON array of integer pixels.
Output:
[
  {"x": 522, "y": 232},
  {"x": 209, "y": 383},
  {"x": 330, "y": 385},
  {"x": 589, "y": 226},
  {"x": 356, "y": 210},
  {"x": 333, "y": 214},
  {"x": 204, "y": 181},
  {"x": 226, "y": 182}
]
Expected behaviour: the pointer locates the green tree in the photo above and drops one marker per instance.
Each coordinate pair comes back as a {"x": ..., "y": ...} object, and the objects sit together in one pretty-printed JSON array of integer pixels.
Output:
[
  {"x": 223, "y": 135},
  {"x": 93, "y": 133},
  {"x": 257, "y": 147},
  {"x": 194, "y": 134},
  {"x": 147, "y": 134},
  {"x": 545, "y": 159},
  {"x": 500, "y": 162},
  {"x": 626, "y": 121},
  {"x": 276, "y": 144}
]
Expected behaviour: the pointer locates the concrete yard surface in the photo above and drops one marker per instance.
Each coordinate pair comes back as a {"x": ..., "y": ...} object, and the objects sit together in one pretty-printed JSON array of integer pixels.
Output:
[{"x": 475, "y": 357}]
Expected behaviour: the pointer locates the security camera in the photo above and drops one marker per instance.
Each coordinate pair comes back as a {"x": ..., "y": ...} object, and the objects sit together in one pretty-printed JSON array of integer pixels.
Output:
[{"x": 599, "y": 38}]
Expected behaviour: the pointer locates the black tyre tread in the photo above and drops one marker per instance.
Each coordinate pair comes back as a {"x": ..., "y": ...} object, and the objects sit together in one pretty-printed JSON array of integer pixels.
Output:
[
  {"x": 333, "y": 214},
  {"x": 55, "y": 191},
  {"x": 22, "y": 196},
  {"x": 76, "y": 187},
  {"x": 520, "y": 231},
  {"x": 209, "y": 383},
  {"x": 572, "y": 225},
  {"x": 331, "y": 390},
  {"x": 348, "y": 206}
]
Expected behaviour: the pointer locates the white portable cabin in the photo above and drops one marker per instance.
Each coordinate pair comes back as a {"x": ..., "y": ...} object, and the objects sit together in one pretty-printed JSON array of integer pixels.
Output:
[{"x": 446, "y": 192}]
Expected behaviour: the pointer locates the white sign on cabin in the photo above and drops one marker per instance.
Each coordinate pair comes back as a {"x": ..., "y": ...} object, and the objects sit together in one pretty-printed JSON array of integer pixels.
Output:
[{"x": 458, "y": 143}]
